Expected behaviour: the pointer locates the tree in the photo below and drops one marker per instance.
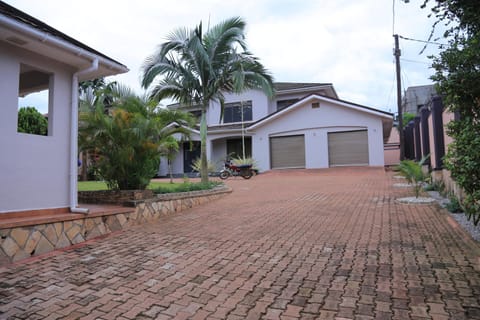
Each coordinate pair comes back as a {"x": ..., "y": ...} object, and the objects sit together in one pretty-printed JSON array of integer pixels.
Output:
[
  {"x": 127, "y": 136},
  {"x": 407, "y": 117},
  {"x": 457, "y": 74},
  {"x": 31, "y": 121},
  {"x": 169, "y": 148},
  {"x": 196, "y": 68},
  {"x": 90, "y": 92}
]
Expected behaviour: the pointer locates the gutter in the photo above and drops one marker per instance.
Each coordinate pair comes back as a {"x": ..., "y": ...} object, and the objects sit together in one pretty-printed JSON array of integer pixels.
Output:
[
  {"x": 94, "y": 59},
  {"x": 74, "y": 139},
  {"x": 45, "y": 37}
]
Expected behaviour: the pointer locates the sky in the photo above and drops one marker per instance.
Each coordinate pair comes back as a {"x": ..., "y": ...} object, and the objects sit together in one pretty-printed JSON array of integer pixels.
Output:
[{"x": 343, "y": 42}]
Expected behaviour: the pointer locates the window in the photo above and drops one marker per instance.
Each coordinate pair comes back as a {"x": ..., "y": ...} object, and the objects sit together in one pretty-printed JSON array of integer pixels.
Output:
[
  {"x": 237, "y": 112},
  {"x": 282, "y": 104},
  {"x": 235, "y": 148},
  {"x": 33, "y": 101},
  {"x": 197, "y": 114}
]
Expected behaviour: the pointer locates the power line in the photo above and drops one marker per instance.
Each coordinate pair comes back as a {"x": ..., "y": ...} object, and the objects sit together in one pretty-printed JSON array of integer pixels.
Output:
[
  {"x": 415, "y": 61},
  {"x": 422, "y": 41}
]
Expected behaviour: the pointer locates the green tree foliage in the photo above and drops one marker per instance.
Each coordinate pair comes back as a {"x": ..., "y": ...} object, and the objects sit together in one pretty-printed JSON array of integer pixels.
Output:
[
  {"x": 127, "y": 136},
  {"x": 196, "y": 68},
  {"x": 169, "y": 148},
  {"x": 457, "y": 73},
  {"x": 31, "y": 121},
  {"x": 407, "y": 117}
]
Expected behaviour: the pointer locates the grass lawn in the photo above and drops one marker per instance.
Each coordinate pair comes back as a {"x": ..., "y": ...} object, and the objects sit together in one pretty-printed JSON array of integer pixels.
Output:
[{"x": 156, "y": 186}]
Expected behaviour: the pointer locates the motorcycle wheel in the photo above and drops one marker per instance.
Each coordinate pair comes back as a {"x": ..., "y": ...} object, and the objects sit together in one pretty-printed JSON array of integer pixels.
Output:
[
  {"x": 247, "y": 174},
  {"x": 224, "y": 174}
]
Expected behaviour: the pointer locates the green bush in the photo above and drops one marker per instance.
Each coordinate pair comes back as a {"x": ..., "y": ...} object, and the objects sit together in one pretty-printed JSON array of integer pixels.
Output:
[
  {"x": 187, "y": 187},
  {"x": 412, "y": 171},
  {"x": 197, "y": 165},
  {"x": 454, "y": 205}
]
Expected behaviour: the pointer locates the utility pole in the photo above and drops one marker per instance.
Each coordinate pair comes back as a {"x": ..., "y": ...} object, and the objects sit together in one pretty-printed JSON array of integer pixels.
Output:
[{"x": 397, "y": 54}]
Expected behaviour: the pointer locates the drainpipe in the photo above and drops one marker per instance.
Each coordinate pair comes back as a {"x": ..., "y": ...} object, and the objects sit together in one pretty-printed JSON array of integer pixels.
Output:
[{"x": 74, "y": 139}]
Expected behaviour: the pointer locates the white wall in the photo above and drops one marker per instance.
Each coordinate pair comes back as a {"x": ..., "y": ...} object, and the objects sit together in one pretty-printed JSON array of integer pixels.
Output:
[
  {"x": 34, "y": 170},
  {"x": 219, "y": 151},
  {"x": 293, "y": 95},
  {"x": 259, "y": 105},
  {"x": 315, "y": 125}
]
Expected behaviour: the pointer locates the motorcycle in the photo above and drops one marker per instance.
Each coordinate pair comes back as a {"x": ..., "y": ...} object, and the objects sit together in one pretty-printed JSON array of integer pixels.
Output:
[{"x": 230, "y": 169}]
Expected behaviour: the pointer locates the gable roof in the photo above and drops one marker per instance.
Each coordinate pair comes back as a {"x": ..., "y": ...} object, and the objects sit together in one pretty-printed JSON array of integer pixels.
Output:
[
  {"x": 387, "y": 117},
  {"x": 22, "y": 30},
  {"x": 304, "y": 88},
  {"x": 310, "y": 97},
  {"x": 283, "y": 86}
]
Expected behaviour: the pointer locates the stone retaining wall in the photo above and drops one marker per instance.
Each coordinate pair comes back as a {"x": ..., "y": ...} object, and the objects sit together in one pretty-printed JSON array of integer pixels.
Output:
[
  {"x": 114, "y": 196},
  {"x": 23, "y": 242}
]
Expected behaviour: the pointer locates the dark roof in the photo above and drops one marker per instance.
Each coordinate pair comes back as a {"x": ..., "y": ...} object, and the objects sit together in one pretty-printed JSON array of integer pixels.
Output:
[
  {"x": 281, "y": 86},
  {"x": 22, "y": 17},
  {"x": 236, "y": 126}
]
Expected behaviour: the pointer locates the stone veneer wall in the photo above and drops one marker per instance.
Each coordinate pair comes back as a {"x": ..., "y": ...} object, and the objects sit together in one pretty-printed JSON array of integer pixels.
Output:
[
  {"x": 114, "y": 196},
  {"x": 18, "y": 243}
]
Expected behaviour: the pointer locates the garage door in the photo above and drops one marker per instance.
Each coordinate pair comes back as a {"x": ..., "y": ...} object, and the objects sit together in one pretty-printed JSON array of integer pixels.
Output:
[
  {"x": 348, "y": 148},
  {"x": 287, "y": 152}
]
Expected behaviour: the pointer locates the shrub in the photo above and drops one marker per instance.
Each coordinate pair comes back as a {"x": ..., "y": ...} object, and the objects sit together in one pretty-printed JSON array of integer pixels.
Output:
[
  {"x": 412, "y": 171},
  {"x": 454, "y": 205},
  {"x": 197, "y": 165},
  {"x": 187, "y": 187}
]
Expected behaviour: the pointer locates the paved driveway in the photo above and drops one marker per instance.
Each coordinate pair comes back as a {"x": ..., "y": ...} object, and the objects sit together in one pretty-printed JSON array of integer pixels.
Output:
[{"x": 326, "y": 244}]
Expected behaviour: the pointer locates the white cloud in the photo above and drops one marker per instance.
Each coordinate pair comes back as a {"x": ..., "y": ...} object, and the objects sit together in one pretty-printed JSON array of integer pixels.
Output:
[{"x": 348, "y": 43}]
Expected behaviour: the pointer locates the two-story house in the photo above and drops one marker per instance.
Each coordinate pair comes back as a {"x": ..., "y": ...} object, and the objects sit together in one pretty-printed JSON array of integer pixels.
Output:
[{"x": 305, "y": 125}]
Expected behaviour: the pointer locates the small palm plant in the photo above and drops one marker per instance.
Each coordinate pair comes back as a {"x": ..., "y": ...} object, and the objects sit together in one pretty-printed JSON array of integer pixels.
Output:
[
  {"x": 246, "y": 161},
  {"x": 412, "y": 171},
  {"x": 197, "y": 166}
]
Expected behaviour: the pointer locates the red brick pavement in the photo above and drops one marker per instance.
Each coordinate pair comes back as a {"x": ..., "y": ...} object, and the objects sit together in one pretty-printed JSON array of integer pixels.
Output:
[{"x": 316, "y": 244}]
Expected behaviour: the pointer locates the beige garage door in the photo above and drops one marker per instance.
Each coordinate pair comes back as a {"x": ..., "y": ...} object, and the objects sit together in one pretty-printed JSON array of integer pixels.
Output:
[
  {"x": 287, "y": 152},
  {"x": 348, "y": 148}
]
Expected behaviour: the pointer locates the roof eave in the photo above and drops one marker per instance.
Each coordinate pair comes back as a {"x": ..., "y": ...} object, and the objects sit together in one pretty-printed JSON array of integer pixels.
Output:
[
  {"x": 41, "y": 42},
  {"x": 383, "y": 115}
]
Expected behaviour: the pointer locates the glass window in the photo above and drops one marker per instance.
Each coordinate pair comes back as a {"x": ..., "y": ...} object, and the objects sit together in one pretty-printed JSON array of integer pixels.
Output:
[
  {"x": 282, "y": 104},
  {"x": 237, "y": 112},
  {"x": 235, "y": 148}
]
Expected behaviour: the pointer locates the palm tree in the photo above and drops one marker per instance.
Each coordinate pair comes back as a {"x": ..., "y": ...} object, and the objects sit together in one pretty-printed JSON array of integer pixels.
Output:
[
  {"x": 196, "y": 68},
  {"x": 128, "y": 135}
]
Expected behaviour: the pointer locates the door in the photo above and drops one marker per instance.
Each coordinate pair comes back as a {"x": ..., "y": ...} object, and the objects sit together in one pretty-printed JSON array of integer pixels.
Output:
[
  {"x": 287, "y": 152},
  {"x": 348, "y": 148},
  {"x": 190, "y": 155}
]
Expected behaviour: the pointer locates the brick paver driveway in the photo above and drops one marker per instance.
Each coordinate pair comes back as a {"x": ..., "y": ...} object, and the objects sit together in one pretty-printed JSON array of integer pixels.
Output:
[{"x": 326, "y": 244}]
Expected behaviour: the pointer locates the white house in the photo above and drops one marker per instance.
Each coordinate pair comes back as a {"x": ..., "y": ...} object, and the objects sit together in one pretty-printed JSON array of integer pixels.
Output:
[
  {"x": 40, "y": 172},
  {"x": 305, "y": 125}
]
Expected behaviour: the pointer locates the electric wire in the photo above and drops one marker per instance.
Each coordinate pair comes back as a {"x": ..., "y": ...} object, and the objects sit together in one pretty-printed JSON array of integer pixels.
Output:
[
  {"x": 422, "y": 41},
  {"x": 415, "y": 61}
]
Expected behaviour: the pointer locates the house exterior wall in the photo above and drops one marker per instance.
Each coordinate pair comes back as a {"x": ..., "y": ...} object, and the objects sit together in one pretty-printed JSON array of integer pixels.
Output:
[
  {"x": 35, "y": 169},
  {"x": 272, "y": 107},
  {"x": 259, "y": 105},
  {"x": 315, "y": 125},
  {"x": 417, "y": 97}
]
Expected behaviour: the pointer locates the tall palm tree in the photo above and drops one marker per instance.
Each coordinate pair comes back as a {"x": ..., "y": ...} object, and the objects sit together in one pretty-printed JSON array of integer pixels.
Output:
[{"x": 196, "y": 68}]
